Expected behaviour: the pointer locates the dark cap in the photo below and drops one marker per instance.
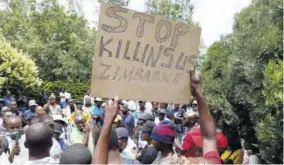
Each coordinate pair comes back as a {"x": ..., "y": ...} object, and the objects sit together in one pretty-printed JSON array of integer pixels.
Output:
[
  {"x": 2, "y": 101},
  {"x": 58, "y": 128},
  {"x": 79, "y": 102},
  {"x": 162, "y": 111},
  {"x": 148, "y": 127},
  {"x": 121, "y": 132},
  {"x": 147, "y": 116}
]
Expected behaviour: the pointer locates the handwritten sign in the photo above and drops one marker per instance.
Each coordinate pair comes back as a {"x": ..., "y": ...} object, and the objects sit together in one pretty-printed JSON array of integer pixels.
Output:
[{"x": 143, "y": 57}]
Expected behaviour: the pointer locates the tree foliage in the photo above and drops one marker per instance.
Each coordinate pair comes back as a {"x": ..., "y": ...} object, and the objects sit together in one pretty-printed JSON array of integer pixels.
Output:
[
  {"x": 61, "y": 43},
  {"x": 16, "y": 68},
  {"x": 243, "y": 77},
  {"x": 180, "y": 11},
  {"x": 122, "y": 3}
]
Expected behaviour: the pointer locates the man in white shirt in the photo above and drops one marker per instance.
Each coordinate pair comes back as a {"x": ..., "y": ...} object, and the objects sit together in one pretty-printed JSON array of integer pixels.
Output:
[{"x": 38, "y": 141}]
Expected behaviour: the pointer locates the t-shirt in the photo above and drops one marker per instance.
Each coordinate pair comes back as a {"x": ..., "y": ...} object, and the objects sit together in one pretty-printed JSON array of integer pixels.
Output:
[
  {"x": 47, "y": 160},
  {"x": 167, "y": 160},
  {"x": 236, "y": 156},
  {"x": 29, "y": 114},
  {"x": 129, "y": 123},
  {"x": 86, "y": 115},
  {"x": 189, "y": 145},
  {"x": 54, "y": 110}
]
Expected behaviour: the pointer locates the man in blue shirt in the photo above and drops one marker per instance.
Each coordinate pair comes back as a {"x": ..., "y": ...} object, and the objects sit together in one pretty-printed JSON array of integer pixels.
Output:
[
  {"x": 97, "y": 112},
  {"x": 9, "y": 98},
  {"x": 30, "y": 114},
  {"x": 128, "y": 120}
]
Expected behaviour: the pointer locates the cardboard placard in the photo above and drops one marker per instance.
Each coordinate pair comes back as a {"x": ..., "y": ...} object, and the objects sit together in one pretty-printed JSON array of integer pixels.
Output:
[{"x": 143, "y": 57}]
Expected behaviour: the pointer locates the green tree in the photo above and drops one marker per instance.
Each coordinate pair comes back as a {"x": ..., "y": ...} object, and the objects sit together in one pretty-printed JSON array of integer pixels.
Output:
[
  {"x": 180, "y": 11},
  {"x": 239, "y": 83},
  {"x": 122, "y": 3},
  {"x": 16, "y": 68},
  {"x": 61, "y": 44}
]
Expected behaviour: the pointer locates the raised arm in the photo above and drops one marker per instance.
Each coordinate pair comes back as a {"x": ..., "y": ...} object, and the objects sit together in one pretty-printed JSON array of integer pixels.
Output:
[
  {"x": 101, "y": 151},
  {"x": 207, "y": 124}
]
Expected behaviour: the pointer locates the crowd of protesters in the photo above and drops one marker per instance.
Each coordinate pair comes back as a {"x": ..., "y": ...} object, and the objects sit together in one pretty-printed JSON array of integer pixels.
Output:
[{"x": 114, "y": 131}]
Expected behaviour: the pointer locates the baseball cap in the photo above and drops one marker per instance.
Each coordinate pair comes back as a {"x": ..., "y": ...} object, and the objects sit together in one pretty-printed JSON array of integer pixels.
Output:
[
  {"x": 121, "y": 132},
  {"x": 148, "y": 127},
  {"x": 131, "y": 105},
  {"x": 147, "y": 116},
  {"x": 194, "y": 102},
  {"x": 162, "y": 111},
  {"x": 32, "y": 103}
]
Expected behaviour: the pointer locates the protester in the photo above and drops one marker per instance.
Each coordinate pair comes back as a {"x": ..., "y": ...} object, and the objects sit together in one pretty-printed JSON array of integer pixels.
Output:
[
  {"x": 97, "y": 112},
  {"x": 55, "y": 148},
  {"x": 79, "y": 110},
  {"x": 128, "y": 120},
  {"x": 234, "y": 154},
  {"x": 161, "y": 116},
  {"x": 58, "y": 131},
  {"x": 88, "y": 104},
  {"x": 2, "y": 104},
  {"x": 76, "y": 154},
  {"x": 68, "y": 110},
  {"x": 82, "y": 133},
  {"x": 252, "y": 152},
  {"x": 163, "y": 139},
  {"x": 207, "y": 126},
  {"x": 148, "y": 154},
  {"x": 51, "y": 108},
  {"x": 179, "y": 125},
  {"x": 16, "y": 140},
  {"x": 3, "y": 124},
  {"x": 123, "y": 137},
  {"x": 14, "y": 108},
  {"x": 39, "y": 142},
  {"x": 63, "y": 100},
  {"x": 155, "y": 108},
  {"x": 39, "y": 111},
  {"x": 9, "y": 98}
]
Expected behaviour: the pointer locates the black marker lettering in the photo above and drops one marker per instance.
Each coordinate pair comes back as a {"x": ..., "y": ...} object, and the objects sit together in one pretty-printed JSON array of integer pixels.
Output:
[
  {"x": 162, "y": 23},
  {"x": 180, "y": 30},
  {"x": 138, "y": 74},
  {"x": 144, "y": 53},
  {"x": 166, "y": 77},
  {"x": 178, "y": 66},
  {"x": 152, "y": 58},
  {"x": 103, "y": 76},
  {"x": 118, "y": 49},
  {"x": 112, "y": 12},
  {"x": 116, "y": 73},
  {"x": 102, "y": 47},
  {"x": 125, "y": 75},
  {"x": 168, "y": 52},
  {"x": 136, "y": 52},
  {"x": 143, "y": 18},
  {"x": 126, "y": 51}
]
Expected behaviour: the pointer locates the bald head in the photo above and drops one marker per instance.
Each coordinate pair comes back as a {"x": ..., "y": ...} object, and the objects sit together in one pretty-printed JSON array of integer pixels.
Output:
[
  {"x": 13, "y": 123},
  {"x": 46, "y": 119},
  {"x": 39, "y": 137},
  {"x": 76, "y": 154}
]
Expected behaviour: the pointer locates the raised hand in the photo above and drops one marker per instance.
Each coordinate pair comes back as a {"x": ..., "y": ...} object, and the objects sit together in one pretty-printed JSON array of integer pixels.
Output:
[{"x": 111, "y": 110}]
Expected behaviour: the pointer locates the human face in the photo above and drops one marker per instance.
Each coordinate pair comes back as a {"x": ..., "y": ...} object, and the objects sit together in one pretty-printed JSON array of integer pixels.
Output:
[
  {"x": 33, "y": 107},
  {"x": 115, "y": 125},
  {"x": 161, "y": 116},
  {"x": 155, "y": 106},
  {"x": 80, "y": 123},
  {"x": 56, "y": 135},
  {"x": 185, "y": 121},
  {"x": 13, "y": 125},
  {"x": 122, "y": 144},
  {"x": 141, "y": 104},
  {"x": 52, "y": 101},
  {"x": 40, "y": 111},
  {"x": 13, "y": 106},
  {"x": 157, "y": 145},
  {"x": 176, "y": 106},
  {"x": 163, "y": 105},
  {"x": 145, "y": 136}
]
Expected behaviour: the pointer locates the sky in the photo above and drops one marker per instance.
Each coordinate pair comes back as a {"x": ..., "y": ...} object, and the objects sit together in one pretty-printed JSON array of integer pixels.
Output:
[{"x": 216, "y": 17}]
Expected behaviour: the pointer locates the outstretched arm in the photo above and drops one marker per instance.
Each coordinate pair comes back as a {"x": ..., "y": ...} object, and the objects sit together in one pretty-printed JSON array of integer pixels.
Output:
[
  {"x": 207, "y": 124},
  {"x": 101, "y": 150}
]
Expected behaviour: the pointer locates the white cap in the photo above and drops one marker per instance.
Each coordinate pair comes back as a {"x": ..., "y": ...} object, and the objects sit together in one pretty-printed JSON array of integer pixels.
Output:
[
  {"x": 194, "y": 102},
  {"x": 67, "y": 95},
  {"x": 131, "y": 105},
  {"x": 32, "y": 103},
  {"x": 61, "y": 94},
  {"x": 59, "y": 117},
  {"x": 99, "y": 99}
]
